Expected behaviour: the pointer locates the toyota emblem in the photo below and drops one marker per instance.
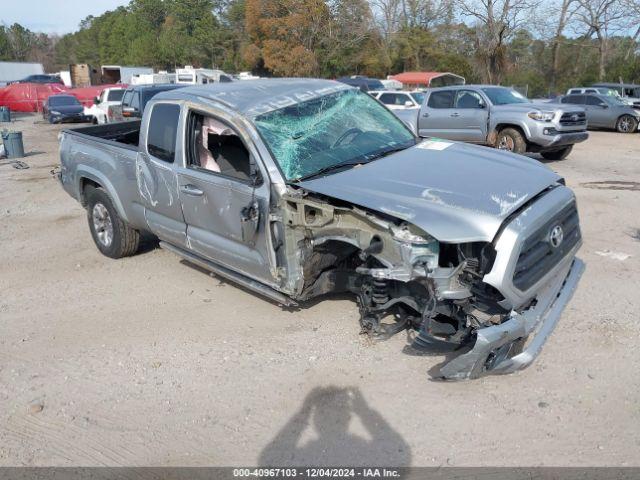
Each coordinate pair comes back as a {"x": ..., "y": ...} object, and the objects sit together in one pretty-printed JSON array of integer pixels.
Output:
[
  {"x": 556, "y": 235},
  {"x": 574, "y": 118}
]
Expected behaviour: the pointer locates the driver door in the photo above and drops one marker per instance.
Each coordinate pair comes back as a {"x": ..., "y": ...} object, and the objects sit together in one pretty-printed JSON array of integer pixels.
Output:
[
  {"x": 226, "y": 211},
  {"x": 597, "y": 112}
]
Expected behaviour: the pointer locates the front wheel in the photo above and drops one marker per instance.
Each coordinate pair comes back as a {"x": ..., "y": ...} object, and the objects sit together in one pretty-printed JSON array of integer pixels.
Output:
[
  {"x": 511, "y": 140},
  {"x": 113, "y": 237},
  {"x": 557, "y": 154},
  {"x": 626, "y": 124}
]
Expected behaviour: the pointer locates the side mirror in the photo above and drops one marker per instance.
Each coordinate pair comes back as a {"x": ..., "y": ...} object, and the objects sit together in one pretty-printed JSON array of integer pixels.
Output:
[
  {"x": 408, "y": 103},
  {"x": 603, "y": 105},
  {"x": 96, "y": 100},
  {"x": 482, "y": 105}
]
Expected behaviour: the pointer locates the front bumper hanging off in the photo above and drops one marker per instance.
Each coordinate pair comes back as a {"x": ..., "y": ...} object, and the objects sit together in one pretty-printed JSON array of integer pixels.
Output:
[{"x": 489, "y": 355}]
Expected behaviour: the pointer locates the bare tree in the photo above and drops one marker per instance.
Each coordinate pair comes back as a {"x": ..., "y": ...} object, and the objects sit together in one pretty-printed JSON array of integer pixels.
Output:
[
  {"x": 424, "y": 13},
  {"x": 387, "y": 14},
  {"x": 601, "y": 18},
  {"x": 496, "y": 22},
  {"x": 563, "y": 15},
  {"x": 395, "y": 14},
  {"x": 633, "y": 7}
]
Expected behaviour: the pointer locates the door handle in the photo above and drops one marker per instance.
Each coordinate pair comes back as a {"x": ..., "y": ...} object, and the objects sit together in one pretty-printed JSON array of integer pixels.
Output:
[
  {"x": 191, "y": 190},
  {"x": 455, "y": 114},
  {"x": 425, "y": 114}
]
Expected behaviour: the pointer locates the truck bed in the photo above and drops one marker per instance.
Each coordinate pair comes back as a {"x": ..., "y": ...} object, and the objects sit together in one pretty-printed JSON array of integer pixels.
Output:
[{"x": 124, "y": 133}]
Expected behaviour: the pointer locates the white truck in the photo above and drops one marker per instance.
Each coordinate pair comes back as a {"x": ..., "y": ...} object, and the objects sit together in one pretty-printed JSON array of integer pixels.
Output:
[{"x": 100, "y": 111}]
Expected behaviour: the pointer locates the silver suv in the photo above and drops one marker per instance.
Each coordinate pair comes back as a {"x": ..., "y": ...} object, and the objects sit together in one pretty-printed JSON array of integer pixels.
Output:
[{"x": 499, "y": 117}]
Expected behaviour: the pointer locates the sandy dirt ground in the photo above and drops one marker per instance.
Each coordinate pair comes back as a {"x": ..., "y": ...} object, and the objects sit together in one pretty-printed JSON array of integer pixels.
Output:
[{"x": 149, "y": 361}]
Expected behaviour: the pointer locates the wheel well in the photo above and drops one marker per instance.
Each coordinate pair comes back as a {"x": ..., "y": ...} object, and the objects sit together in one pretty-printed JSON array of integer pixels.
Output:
[
  {"x": 493, "y": 136},
  {"x": 84, "y": 183}
]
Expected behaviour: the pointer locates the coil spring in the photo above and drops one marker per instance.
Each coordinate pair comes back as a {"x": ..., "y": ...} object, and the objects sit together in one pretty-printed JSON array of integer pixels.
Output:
[{"x": 379, "y": 292}]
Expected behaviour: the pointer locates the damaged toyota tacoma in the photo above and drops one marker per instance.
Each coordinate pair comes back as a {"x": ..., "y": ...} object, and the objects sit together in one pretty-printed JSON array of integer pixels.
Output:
[{"x": 298, "y": 188}]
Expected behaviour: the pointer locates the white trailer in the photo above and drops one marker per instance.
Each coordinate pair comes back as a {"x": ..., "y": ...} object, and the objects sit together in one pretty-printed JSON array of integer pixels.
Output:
[{"x": 12, "y": 71}]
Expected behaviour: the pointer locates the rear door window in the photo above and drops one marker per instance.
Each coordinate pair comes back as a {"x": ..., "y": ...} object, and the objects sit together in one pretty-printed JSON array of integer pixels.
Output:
[
  {"x": 594, "y": 101},
  {"x": 163, "y": 129},
  {"x": 442, "y": 99}
]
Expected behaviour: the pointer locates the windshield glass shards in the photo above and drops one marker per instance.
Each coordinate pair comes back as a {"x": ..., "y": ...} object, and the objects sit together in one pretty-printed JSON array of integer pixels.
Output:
[{"x": 340, "y": 129}]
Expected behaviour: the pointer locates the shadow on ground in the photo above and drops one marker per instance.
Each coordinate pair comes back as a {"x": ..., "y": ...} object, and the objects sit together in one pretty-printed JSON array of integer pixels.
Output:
[{"x": 322, "y": 433}]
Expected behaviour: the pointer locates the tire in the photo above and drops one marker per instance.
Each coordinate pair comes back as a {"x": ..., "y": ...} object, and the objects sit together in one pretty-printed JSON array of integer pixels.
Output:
[
  {"x": 557, "y": 154},
  {"x": 511, "y": 140},
  {"x": 626, "y": 124},
  {"x": 113, "y": 237}
]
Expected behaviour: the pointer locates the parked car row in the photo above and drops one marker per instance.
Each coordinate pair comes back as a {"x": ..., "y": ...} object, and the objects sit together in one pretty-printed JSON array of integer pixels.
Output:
[
  {"x": 605, "y": 111},
  {"x": 499, "y": 117}
]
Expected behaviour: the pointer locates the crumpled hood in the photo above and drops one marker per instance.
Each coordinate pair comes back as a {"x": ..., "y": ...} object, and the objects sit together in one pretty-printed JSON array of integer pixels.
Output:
[{"x": 460, "y": 193}]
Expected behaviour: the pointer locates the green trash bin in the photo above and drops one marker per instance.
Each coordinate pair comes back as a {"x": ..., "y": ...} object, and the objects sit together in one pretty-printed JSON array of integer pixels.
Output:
[
  {"x": 13, "y": 145},
  {"x": 5, "y": 114}
]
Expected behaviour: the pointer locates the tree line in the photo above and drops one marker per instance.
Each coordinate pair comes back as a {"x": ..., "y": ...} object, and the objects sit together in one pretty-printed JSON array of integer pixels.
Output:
[{"x": 548, "y": 45}]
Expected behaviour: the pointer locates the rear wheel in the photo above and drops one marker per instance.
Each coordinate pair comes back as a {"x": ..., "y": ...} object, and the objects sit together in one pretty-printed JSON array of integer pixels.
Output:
[
  {"x": 626, "y": 124},
  {"x": 511, "y": 140},
  {"x": 113, "y": 237},
  {"x": 557, "y": 154}
]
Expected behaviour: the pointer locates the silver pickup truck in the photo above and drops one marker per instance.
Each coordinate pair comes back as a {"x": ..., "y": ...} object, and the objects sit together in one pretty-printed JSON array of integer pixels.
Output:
[
  {"x": 499, "y": 117},
  {"x": 301, "y": 188}
]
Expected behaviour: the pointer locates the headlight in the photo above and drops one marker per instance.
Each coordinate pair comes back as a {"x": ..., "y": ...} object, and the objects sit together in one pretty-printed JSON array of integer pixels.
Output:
[
  {"x": 542, "y": 116},
  {"x": 54, "y": 112}
]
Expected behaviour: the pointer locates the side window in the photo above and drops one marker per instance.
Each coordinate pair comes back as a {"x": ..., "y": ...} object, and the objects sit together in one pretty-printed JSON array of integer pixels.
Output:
[
  {"x": 387, "y": 98},
  {"x": 468, "y": 99},
  {"x": 126, "y": 99},
  {"x": 594, "y": 101},
  {"x": 135, "y": 100},
  {"x": 215, "y": 147},
  {"x": 163, "y": 128},
  {"x": 590, "y": 90},
  {"x": 574, "y": 90},
  {"x": 394, "y": 98},
  {"x": 574, "y": 99},
  {"x": 442, "y": 99}
]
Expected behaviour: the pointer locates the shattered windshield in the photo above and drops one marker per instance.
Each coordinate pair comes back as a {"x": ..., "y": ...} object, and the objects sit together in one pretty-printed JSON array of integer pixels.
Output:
[{"x": 344, "y": 128}]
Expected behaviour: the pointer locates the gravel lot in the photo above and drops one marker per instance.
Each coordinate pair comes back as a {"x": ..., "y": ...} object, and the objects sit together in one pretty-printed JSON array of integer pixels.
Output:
[{"x": 149, "y": 361}]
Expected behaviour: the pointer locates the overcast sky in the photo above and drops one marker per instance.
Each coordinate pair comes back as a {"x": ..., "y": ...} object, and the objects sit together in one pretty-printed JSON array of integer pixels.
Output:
[{"x": 53, "y": 16}]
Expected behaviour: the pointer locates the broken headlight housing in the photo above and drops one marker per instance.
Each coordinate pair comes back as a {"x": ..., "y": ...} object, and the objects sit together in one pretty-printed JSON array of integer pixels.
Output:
[{"x": 405, "y": 234}]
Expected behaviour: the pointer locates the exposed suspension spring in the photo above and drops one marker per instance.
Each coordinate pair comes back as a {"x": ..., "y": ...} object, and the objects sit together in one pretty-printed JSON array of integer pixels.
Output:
[{"x": 380, "y": 291}]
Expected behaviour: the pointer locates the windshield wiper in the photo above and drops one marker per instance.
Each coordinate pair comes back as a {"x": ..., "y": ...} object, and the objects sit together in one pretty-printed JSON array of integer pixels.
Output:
[
  {"x": 328, "y": 169},
  {"x": 360, "y": 161},
  {"x": 389, "y": 151}
]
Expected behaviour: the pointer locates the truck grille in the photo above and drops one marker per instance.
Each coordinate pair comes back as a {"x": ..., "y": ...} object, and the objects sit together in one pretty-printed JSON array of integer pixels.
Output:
[
  {"x": 573, "y": 119},
  {"x": 539, "y": 254}
]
